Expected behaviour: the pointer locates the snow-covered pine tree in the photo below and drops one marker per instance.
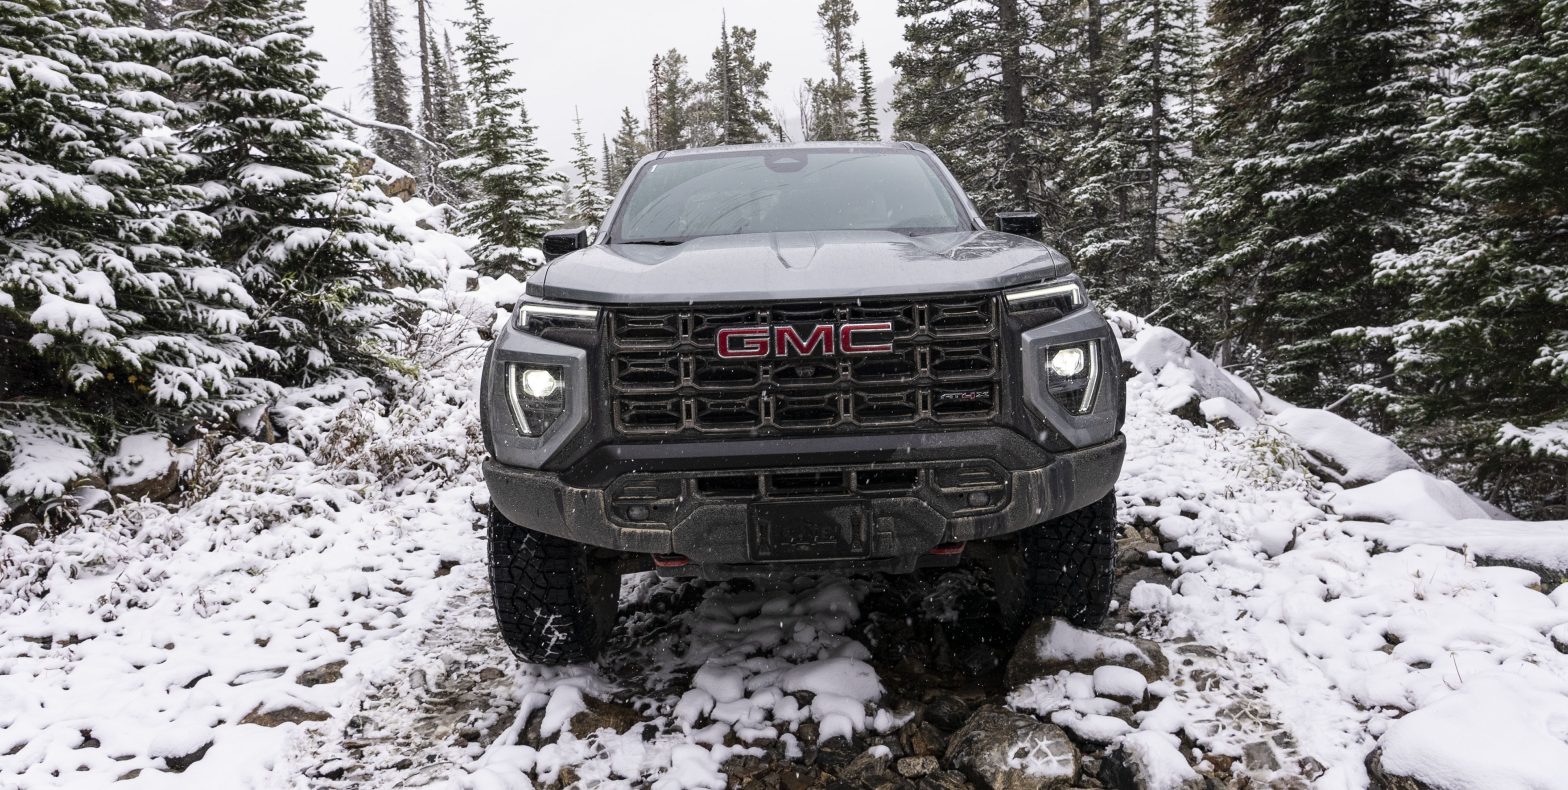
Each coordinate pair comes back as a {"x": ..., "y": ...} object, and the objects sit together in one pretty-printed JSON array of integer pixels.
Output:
[
  {"x": 1316, "y": 110},
  {"x": 439, "y": 119},
  {"x": 866, "y": 120},
  {"x": 1482, "y": 383},
  {"x": 606, "y": 166},
  {"x": 671, "y": 96},
  {"x": 591, "y": 201},
  {"x": 1099, "y": 151},
  {"x": 515, "y": 197},
  {"x": 962, "y": 90},
  {"x": 112, "y": 318},
  {"x": 751, "y": 76},
  {"x": 833, "y": 98},
  {"x": 629, "y": 146},
  {"x": 307, "y": 236},
  {"x": 389, "y": 88},
  {"x": 734, "y": 113},
  {"x": 1137, "y": 167}
]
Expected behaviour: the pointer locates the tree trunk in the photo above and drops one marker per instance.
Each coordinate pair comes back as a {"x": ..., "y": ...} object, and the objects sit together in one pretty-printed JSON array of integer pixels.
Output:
[{"x": 1013, "y": 116}]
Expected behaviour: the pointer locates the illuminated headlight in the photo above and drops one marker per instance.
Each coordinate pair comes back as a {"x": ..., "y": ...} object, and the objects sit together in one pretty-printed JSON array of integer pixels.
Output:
[
  {"x": 538, "y": 396},
  {"x": 539, "y": 383},
  {"x": 534, "y": 317},
  {"x": 1068, "y": 362},
  {"x": 1048, "y": 302},
  {"x": 1073, "y": 375}
]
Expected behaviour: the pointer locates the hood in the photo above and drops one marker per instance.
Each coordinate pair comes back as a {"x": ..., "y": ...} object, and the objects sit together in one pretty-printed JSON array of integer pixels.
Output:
[{"x": 816, "y": 265}]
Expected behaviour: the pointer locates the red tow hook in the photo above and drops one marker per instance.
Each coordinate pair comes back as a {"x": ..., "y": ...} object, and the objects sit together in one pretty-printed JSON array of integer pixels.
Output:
[
  {"x": 948, "y": 549},
  {"x": 670, "y": 561}
]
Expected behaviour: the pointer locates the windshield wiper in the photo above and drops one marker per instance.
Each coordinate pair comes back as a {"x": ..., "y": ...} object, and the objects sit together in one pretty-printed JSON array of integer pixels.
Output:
[{"x": 658, "y": 242}]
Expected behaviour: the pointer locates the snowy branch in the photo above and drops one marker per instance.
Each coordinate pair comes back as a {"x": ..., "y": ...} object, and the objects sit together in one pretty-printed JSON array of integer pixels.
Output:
[{"x": 390, "y": 127}]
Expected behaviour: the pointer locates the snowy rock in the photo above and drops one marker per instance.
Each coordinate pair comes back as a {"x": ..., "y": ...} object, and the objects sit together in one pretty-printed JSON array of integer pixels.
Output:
[
  {"x": 725, "y": 684},
  {"x": 599, "y": 714},
  {"x": 1499, "y": 730},
  {"x": 1341, "y": 450},
  {"x": 287, "y": 714},
  {"x": 1537, "y": 546},
  {"x": 144, "y": 467},
  {"x": 180, "y": 746},
  {"x": 1148, "y": 761},
  {"x": 1055, "y": 645},
  {"x": 1383, "y": 780},
  {"x": 1409, "y": 495},
  {"x": 322, "y": 675},
  {"x": 870, "y": 768},
  {"x": 1120, "y": 683},
  {"x": 1187, "y": 379},
  {"x": 1002, "y": 749},
  {"x": 836, "y": 677},
  {"x": 1224, "y": 414}
]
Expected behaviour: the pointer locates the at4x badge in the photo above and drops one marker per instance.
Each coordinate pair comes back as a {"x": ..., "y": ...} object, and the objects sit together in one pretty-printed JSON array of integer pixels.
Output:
[{"x": 750, "y": 342}]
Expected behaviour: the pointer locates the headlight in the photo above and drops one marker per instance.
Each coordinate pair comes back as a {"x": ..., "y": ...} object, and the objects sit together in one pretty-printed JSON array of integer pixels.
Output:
[
  {"x": 1039, "y": 304},
  {"x": 537, "y": 394},
  {"x": 536, "y": 317},
  {"x": 1072, "y": 375}
]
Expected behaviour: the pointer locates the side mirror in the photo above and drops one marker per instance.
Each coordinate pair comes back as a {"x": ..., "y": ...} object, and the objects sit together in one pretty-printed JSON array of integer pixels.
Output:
[
  {"x": 561, "y": 241},
  {"x": 1028, "y": 224}
]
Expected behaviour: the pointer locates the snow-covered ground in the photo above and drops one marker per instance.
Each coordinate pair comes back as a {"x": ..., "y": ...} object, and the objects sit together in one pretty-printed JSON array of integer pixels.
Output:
[{"x": 1300, "y": 602}]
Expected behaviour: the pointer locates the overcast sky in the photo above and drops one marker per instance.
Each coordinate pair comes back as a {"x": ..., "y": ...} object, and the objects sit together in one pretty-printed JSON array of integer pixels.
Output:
[{"x": 594, "y": 54}]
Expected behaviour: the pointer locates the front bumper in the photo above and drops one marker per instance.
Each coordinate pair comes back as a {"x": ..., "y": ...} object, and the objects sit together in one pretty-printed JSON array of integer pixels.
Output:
[{"x": 919, "y": 490}]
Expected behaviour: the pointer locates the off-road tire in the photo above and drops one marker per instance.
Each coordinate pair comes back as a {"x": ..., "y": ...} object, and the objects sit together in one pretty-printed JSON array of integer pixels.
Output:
[
  {"x": 1065, "y": 567},
  {"x": 555, "y": 604}
]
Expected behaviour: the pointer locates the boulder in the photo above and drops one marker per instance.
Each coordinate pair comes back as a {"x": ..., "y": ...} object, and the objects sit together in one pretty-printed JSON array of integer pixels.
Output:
[
  {"x": 599, "y": 714},
  {"x": 290, "y": 714},
  {"x": 1148, "y": 761},
  {"x": 1055, "y": 645},
  {"x": 1381, "y": 779},
  {"x": 144, "y": 467},
  {"x": 1002, "y": 749}
]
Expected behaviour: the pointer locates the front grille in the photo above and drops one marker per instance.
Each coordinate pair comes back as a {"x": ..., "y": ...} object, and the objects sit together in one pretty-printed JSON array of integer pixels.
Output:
[{"x": 667, "y": 377}]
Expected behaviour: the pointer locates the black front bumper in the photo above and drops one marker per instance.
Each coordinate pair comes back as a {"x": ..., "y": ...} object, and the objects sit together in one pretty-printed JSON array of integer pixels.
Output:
[{"x": 695, "y": 499}]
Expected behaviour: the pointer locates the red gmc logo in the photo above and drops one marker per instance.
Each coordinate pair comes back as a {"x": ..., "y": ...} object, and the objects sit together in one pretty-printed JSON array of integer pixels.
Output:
[{"x": 782, "y": 341}]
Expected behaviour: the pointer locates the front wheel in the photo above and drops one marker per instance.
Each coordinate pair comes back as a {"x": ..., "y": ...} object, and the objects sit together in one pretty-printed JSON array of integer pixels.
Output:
[
  {"x": 1065, "y": 567},
  {"x": 555, "y": 604}
]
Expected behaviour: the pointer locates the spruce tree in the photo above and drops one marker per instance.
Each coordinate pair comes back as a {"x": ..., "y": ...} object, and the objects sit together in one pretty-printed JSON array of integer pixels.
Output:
[
  {"x": 1156, "y": 95},
  {"x": 1482, "y": 382},
  {"x": 751, "y": 77},
  {"x": 1316, "y": 112},
  {"x": 515, "y": 196},
  {"x": 1128, "y": 157},
  {"x": 833, "y": 114},
  {"x": 112, "y": 317},
  {"x": 733, "y": 114},
  {"x": 440, "y": 116},
  {"x": 306, "y": 235},
  {"x": 606, "y": 166},
  {"x": 671, "y": 96},
  {"x": 1100, "y": 158},
  {"x": 867, "y": 120},
  {"x": 591, "y": 200},
  {"x": 629, "y": 147},
  {"x": 962, "y": 90},
  {"x": 389, "y": 88}
]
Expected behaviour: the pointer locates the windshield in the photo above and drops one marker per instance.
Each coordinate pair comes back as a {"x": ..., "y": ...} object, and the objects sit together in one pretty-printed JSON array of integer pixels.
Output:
[{"x": 773, "y": 191}]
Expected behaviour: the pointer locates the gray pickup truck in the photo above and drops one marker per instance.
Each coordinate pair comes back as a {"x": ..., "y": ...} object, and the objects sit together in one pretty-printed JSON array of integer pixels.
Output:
[{"x": 797, "y": 359}]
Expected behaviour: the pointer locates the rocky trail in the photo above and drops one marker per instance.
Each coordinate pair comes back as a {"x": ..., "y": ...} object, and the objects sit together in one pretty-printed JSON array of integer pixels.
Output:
[{"x": 316, "y": 615}]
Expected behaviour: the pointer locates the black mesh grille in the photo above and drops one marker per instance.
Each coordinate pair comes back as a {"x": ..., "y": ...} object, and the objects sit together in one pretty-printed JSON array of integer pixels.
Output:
[{"x": 668, "y": 379}]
